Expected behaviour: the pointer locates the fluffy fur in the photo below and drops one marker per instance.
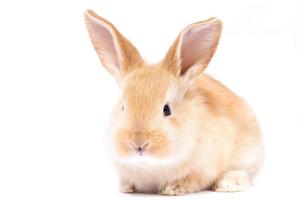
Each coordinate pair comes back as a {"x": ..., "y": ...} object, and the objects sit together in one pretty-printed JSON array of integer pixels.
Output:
[{"x": 211, "y": 140}]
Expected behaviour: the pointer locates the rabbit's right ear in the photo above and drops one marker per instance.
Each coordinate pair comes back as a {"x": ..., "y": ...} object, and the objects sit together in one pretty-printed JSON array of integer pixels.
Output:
[{"x": 116, "y": 53}]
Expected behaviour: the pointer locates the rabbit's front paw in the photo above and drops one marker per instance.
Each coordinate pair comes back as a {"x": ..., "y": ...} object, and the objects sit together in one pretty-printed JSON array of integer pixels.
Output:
[
  {"x": 179, "y": 187},
  {"x": 233, "y": 181},
  {"x": 127, "y": 187}
]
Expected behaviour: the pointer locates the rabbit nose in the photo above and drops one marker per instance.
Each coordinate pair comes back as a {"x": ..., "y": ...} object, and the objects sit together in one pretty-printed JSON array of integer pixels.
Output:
[{"x": 139, "y": 148}]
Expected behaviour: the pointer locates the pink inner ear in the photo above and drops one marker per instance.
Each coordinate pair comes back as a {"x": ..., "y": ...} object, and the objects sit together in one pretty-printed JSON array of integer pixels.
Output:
[
  {"x": 105, "y": 45},
  {"x": 195, "y": 44}
]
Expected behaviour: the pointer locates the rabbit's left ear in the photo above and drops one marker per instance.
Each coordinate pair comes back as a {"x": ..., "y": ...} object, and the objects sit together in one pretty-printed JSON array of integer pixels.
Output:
[{"x": 193, "y": 49}]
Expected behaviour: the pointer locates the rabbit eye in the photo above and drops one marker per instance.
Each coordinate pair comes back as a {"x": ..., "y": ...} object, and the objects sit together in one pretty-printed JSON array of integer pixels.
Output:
[
  {"x": 122, "y": 108},
  {"x": 167, "y": 110}
]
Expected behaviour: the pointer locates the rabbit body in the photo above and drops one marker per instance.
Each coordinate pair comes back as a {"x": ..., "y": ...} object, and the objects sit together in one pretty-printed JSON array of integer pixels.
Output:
[{"x": 176, "y": 130}]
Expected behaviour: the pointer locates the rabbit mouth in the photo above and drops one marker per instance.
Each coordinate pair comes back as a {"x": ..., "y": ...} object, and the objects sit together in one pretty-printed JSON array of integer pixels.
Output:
[{"x": 140, "y": 149}]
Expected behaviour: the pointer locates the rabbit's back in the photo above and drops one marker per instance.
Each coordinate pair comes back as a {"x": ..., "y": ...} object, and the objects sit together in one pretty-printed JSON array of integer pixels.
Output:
[{"x": 247, "y": 150}]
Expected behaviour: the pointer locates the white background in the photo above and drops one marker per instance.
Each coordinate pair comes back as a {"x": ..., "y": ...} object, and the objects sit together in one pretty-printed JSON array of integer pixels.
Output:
[{"x": 55, "y": 97}]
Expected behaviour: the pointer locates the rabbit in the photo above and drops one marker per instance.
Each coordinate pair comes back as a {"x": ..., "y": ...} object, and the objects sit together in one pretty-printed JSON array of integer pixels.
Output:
[{"x": 175, "y": 130}]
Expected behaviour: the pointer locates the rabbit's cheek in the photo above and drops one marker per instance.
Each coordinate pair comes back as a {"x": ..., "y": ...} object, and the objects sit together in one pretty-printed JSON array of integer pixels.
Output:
[
  {"x": 159, "y": 145},
  {"x": 123, "y": 143}
]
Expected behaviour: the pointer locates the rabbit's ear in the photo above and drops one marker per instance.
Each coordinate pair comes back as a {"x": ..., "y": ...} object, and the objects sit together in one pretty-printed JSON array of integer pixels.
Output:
[
  {"x": 116, "y": 53},
  {"x": 193, "y": 48}
]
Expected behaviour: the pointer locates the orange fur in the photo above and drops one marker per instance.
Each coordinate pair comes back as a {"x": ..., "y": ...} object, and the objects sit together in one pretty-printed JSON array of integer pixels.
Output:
[{"x": 210, "y": 140}]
